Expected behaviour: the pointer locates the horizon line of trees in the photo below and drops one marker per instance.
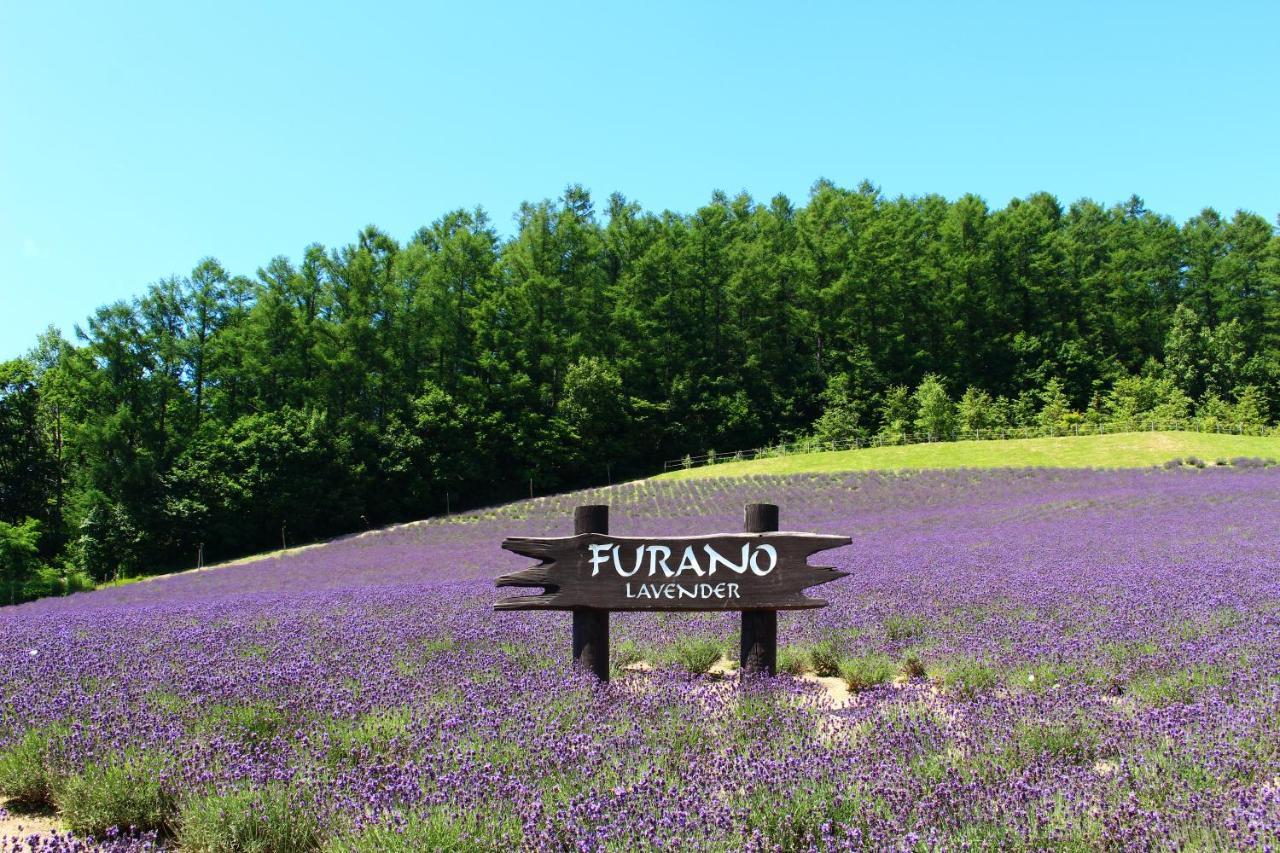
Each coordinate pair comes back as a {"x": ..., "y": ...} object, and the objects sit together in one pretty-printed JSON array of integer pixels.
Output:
[
  {"x": 381, "y": 381},
  {"x": 1156, "y": 395}
]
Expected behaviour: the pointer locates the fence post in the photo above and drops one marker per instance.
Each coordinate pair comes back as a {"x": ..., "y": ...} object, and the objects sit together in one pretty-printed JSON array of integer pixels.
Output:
[
  {"x": 591, "y": 626},
  {"x": 758, "y": 652}
]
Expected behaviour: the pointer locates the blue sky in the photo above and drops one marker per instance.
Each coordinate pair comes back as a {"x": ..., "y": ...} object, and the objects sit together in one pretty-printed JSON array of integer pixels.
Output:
[{"x": 137, "y": 138}]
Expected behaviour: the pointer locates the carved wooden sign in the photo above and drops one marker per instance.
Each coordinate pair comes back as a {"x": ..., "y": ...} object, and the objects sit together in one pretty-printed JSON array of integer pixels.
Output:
[{"x": 728, "y": 571}]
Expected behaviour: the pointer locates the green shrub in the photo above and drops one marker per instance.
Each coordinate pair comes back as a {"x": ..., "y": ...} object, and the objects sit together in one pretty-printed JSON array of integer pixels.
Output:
[
  {"x": 900, "y": 628},
  {"x": 826, "y": 656},
  {"x": 354, "y": 741},
  {"x": 1076, "y": 740},
  {"x": 695, "y": 654},
  {"x": 1138, "y": 655},
  {"x": 25, "y": 772},
  {"x": 795, "y": 820},
  {"x": 794, "y": 660},
  {"x": 867, "y": 671},
  {"x": 122, "y": 794},
  {"x": 55, "y": 580},
  {"x": 495, "y": 829},
  {"x": 625, "y": 654},
  {"x": 525, "y": 657},
  {"x": 1179, "y": 687},
  {"x": 912, "y": 666},
  {"x": 416, "y": 656},
  {"x": 262, "y": 820},
  {"x": 1039, "y": 676},
  {"x": 254, "y": 721},
  {"x": 966, "y": 676}
]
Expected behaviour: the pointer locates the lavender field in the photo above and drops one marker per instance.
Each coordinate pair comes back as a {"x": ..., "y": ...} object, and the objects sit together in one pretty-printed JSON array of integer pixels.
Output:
[{"x": 1037, "y": 659}]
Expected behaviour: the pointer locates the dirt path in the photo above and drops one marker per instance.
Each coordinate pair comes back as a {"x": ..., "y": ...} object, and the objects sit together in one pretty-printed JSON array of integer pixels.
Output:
[
  {"x": 836, "y": 688},
  {"x": 21, "y": 827}
]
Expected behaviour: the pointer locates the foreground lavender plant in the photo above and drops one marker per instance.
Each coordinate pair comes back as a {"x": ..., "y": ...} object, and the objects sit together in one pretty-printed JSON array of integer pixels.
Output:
[{"x": 1099, "y": 651}]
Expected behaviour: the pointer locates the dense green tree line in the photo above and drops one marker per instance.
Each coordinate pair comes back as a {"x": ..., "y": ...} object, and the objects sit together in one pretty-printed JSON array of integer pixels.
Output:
[{"x": 383, "y": 381}]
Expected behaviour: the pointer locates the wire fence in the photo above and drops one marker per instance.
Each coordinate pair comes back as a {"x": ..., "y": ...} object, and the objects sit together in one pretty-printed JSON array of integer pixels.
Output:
[{"x": 813, "y": 445}]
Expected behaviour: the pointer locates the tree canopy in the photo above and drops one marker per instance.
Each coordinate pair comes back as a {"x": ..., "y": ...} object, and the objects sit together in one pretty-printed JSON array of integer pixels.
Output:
[{"x": 380, "y": 381}]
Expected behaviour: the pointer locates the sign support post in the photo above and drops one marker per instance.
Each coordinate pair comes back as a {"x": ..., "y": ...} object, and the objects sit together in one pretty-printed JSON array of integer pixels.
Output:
[
  {"x": 758, "y": 650},
  {"x": 591, "y": 626}
]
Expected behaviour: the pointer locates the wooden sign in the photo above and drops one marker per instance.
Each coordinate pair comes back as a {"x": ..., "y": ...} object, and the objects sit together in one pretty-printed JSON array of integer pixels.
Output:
[
  {"x": 729, "y": 571},
  {"x": 591, "y": 573}
]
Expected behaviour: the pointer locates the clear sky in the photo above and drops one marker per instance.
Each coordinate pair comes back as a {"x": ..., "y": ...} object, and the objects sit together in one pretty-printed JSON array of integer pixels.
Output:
[{"x": 138, "y": 137}]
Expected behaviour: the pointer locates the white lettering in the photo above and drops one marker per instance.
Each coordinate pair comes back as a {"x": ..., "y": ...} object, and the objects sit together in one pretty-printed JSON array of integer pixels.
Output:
[
  {"x": 773, "y": 560},
  {"x": 716, "y": 559},
  {"x": 599, "y": 556},
  {"x": 655, "y": 560},
  {"x": 689, "y": 560},
  {"x": 678, "y": 590},
  {"x": 617, "y": 563}
]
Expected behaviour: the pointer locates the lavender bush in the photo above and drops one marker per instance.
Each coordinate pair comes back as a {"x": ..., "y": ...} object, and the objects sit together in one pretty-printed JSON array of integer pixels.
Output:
[{"x": 1073, "y": 659}]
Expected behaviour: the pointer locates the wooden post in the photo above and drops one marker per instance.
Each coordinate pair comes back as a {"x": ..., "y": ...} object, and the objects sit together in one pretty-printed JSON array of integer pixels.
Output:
[
  {"x": 591, "y": 626},
  {"x": 758, "y": 653}
]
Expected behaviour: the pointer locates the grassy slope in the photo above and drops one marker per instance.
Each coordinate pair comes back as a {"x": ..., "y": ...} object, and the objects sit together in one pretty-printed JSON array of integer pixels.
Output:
[{"x": 1122, "y": 450}]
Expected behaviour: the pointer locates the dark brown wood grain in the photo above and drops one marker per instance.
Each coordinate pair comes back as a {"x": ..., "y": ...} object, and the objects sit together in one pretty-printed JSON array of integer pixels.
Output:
[
  {"x": 591, "y": 626},
  {"x": 565, "y": 572},
  {"x": 758, "y": 642}
]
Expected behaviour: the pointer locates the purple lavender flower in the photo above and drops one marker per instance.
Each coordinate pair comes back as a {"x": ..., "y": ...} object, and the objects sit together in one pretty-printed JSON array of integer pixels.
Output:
[{"x": 1098, "y": 650}]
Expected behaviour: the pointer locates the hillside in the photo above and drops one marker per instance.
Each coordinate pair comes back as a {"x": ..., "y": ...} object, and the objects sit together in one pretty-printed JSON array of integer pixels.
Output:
[
  {"x": 1121, "y": 450},
  {"x": 1107, "y": 633}
]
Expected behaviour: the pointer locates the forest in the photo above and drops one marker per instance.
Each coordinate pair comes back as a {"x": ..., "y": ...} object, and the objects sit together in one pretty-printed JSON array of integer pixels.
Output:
[{"x": 220, "y": 414}]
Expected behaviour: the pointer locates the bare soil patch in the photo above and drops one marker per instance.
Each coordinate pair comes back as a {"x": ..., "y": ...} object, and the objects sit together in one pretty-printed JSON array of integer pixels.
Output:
[
  {"x": 20, "y": 827},
  {"x": 836, "y": 688}
]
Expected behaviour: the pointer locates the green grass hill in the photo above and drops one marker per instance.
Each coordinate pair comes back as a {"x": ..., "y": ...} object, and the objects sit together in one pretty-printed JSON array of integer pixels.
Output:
[{"x": 1118, "y": 450}]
